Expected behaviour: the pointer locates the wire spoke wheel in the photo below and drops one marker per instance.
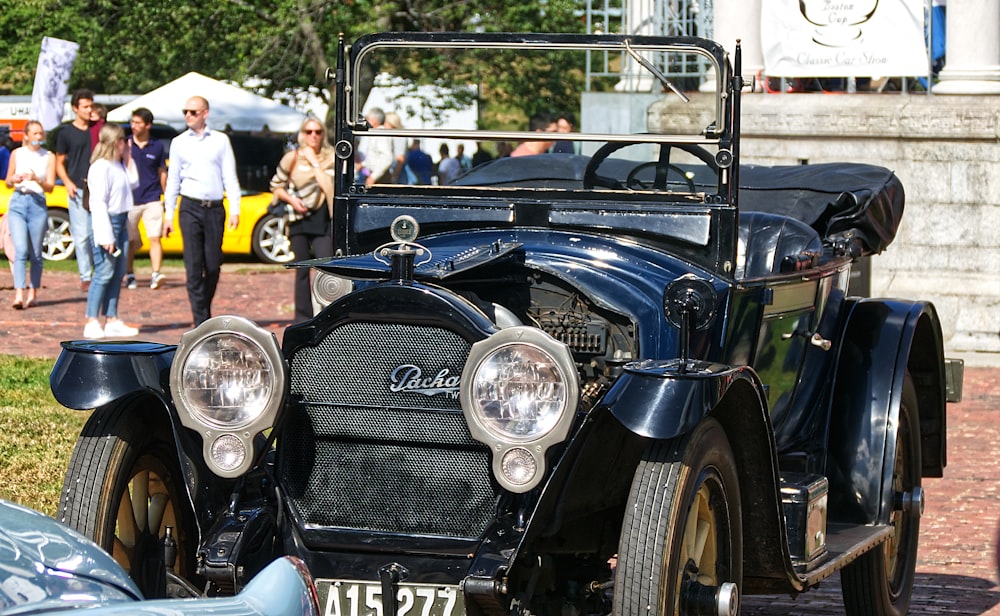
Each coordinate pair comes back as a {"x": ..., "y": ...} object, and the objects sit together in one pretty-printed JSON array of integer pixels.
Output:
[{"x": 123, "y": 490}]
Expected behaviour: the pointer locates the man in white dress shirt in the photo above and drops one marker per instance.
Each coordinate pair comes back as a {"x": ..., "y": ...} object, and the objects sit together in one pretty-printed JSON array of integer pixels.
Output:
[{"x": 201, "y": 170}]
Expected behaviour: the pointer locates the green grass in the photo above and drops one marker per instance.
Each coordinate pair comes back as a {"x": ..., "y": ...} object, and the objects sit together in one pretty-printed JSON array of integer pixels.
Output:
[
  {"x": 240, "y": 263},
  {"x": 36, "y": 434},
  {"x": 141, "y": 262}
]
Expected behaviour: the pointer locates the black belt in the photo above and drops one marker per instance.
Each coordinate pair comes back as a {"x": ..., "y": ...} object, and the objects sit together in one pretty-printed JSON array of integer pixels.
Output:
[{"x": 202, "y": 202}]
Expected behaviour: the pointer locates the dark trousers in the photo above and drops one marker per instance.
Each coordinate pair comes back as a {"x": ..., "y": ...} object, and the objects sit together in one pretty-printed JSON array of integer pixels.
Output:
[
  {"x": 202, "y": 229},
  {"x": 307, "y": 246}
]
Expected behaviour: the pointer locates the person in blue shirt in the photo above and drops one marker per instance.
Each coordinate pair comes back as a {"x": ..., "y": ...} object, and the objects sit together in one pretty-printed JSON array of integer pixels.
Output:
[
  {"x": 419, "y": 165},
  {"x": 6, "y": 146},
  {"x": 150, "y": 158},
  {"x": 565, "y": 123}
]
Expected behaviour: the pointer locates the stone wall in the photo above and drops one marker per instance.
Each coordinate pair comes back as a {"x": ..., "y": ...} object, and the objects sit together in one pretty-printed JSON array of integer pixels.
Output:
[{"x": 946, "y": 151}]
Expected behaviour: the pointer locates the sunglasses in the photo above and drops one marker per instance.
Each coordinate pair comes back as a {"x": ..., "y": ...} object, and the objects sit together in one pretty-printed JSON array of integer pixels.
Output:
[
  {"x": 193, "y": 112},
  {"x": 313, "y": 131}
]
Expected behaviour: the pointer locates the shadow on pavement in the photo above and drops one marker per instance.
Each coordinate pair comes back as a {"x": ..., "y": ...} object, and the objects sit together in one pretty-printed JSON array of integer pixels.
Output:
[{"x": 933, "y": 593}]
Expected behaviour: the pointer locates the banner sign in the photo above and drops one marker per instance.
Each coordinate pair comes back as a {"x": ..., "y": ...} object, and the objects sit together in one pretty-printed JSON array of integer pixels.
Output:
[
  {"x": 48, "y": 96},
  {"x": 843, "y": 38}
]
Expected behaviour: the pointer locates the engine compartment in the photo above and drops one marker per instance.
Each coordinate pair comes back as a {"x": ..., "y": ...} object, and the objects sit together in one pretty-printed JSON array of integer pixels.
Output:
[{"x": 601, "y": 341}]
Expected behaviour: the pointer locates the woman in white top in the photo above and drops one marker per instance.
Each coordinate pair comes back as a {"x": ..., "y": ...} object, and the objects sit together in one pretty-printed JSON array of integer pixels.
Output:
[
  {"x": 111, "y": 178},
  {"x": 31, "y": 173}
]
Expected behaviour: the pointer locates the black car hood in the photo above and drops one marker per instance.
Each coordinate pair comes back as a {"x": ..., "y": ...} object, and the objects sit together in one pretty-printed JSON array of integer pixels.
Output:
[{"x": 437, "y": 263}]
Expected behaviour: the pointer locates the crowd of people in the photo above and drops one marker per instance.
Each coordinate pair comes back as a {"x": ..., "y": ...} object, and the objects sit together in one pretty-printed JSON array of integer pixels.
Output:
[
  {"x": 115, "y": 181},
  {"x": 394, "y": 161}
]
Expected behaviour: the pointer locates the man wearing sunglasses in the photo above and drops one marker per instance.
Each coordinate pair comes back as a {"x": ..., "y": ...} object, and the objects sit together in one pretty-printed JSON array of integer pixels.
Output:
[{"x": 201, "y": 171}]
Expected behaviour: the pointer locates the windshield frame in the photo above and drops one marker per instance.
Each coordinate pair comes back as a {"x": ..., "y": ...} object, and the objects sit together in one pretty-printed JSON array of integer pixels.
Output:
[{"x": 365, "y": 46}]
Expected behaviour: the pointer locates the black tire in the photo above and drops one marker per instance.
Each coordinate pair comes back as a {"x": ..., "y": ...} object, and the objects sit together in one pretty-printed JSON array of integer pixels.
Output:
[
  {"x": 682, "y": 487},
  {"x": 122, "y": 478},
  {"x": 270, "y": 240},
  {"x": 57, "y": 244},
  {"x": 880, "y": 582}
]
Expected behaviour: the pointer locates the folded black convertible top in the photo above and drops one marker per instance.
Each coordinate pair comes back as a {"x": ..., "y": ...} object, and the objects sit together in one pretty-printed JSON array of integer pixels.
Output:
[
  {"x": 846, "y": 203},
  {"x": 853, "y": 205}
]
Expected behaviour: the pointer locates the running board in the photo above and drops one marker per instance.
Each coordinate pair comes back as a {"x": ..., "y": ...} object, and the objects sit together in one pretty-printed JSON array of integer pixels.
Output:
[{"x": 844, "y": 544}]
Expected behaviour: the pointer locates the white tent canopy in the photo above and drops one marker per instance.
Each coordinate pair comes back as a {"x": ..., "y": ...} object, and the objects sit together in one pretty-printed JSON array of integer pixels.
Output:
[{"x": 228, "y": 106}]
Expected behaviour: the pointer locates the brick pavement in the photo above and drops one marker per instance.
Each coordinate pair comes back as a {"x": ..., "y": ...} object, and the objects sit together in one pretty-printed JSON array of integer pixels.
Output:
[
  {"x": 956, "y": 573},
  {"x": 259, "y": 292},
  {"x": 956, "y": 567}
]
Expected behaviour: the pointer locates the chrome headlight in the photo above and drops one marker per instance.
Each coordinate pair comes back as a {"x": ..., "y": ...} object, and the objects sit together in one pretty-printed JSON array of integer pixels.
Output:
[
  {"x": 519, "y": 393},
  {"x": 228, "y": 382}
]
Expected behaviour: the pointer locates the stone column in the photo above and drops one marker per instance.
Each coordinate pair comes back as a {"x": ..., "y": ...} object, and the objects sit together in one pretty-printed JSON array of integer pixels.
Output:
[
  {"x": 972, "y": 49},
  {"x": 639, "y": 20},
  {"x": 740, "y": 19}
]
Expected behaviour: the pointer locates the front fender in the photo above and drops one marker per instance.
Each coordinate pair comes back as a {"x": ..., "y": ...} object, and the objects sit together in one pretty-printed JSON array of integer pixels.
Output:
[
  {"x": 659, "y": 400},
  {"x": 87, "y": 375}
]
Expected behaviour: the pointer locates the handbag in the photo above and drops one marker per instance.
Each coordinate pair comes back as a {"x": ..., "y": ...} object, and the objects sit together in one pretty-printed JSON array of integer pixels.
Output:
[{"x": 277, "y": 207}]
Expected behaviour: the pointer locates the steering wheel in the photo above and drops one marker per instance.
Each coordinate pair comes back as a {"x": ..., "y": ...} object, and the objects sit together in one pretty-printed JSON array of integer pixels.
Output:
[
  {"x": 662, "y": 165},
  {"x": 633, "y": 182}
]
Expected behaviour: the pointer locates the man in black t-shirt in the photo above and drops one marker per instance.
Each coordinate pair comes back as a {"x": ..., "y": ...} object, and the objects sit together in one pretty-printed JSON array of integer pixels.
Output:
[{"x": 72, "y": 165}]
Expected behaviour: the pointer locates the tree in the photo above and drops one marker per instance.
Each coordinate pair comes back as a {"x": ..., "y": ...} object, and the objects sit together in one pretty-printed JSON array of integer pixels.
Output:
[{"x": 134, "y": 46}]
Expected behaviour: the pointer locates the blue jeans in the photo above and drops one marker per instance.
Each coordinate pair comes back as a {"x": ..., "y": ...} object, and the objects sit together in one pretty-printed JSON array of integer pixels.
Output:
[
  {"x": 28, "y": 217},
  {"x": 102, "y": 297},
  {"x": 83, "y": 234}
]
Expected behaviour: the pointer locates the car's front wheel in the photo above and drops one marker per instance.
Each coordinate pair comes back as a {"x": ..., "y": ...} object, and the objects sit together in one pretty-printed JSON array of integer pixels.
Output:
[
  {"x": 270, "y": 240},
  {"x": 57, "y": 244},
  {"x": 123, "y": 489},
  {"x": 680, "y": 550}
]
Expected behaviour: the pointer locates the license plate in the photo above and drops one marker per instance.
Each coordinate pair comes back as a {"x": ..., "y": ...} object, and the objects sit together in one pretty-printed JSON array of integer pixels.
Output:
[{"x": 358, "y": 598}]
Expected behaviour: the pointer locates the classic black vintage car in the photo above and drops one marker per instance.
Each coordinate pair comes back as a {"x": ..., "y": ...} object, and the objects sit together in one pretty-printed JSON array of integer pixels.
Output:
[{"x": 627, "y": 380}]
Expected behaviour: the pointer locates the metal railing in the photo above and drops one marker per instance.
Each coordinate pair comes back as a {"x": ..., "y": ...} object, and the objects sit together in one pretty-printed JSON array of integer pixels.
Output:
[{"x": 647, "y": 18}]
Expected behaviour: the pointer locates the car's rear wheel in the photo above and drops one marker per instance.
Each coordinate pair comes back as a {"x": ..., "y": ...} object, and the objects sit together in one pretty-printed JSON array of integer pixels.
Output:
[
  {"x": 270, "y": 240},
  {"x": 123, "y": 489},
  {"x": 57, "y": 245},
  {"x": 880, "y": 582},
  {"x": 680, "y": 550}
]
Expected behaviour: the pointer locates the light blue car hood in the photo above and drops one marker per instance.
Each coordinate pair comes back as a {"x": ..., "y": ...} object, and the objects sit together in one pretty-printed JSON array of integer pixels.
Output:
[{"x": 43, "y": 562}]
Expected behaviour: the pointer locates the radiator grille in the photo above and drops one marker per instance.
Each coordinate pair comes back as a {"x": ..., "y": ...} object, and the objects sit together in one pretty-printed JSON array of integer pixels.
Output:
[{"x": 359, "y": 453}]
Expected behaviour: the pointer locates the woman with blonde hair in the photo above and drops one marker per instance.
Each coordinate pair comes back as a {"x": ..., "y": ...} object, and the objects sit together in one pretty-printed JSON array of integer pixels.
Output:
[
  {"x": 399, "y": 151},
  {"x": 304, "y": 180},
  {"x": 31, "y": 173},
  {"x": 111, "y": 178}
]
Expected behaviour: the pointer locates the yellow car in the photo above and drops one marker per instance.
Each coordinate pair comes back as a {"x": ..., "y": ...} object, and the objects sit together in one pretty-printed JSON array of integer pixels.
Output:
[{"x": 259, "y": 233}]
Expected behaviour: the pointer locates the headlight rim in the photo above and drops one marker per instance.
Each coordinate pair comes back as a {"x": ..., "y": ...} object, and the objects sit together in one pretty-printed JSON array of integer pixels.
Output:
[
  {"x": 503, "y": 435},
  {"x": 500, "y": 444},
  {"x": 244, "y": 431}
]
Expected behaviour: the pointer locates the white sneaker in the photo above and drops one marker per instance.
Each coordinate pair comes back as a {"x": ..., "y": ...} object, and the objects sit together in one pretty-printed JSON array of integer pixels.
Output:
[
  {"x": 118, "y": 329},
  {"x": 93, "y": 330},
  {"x": 156, "y": 280}
]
